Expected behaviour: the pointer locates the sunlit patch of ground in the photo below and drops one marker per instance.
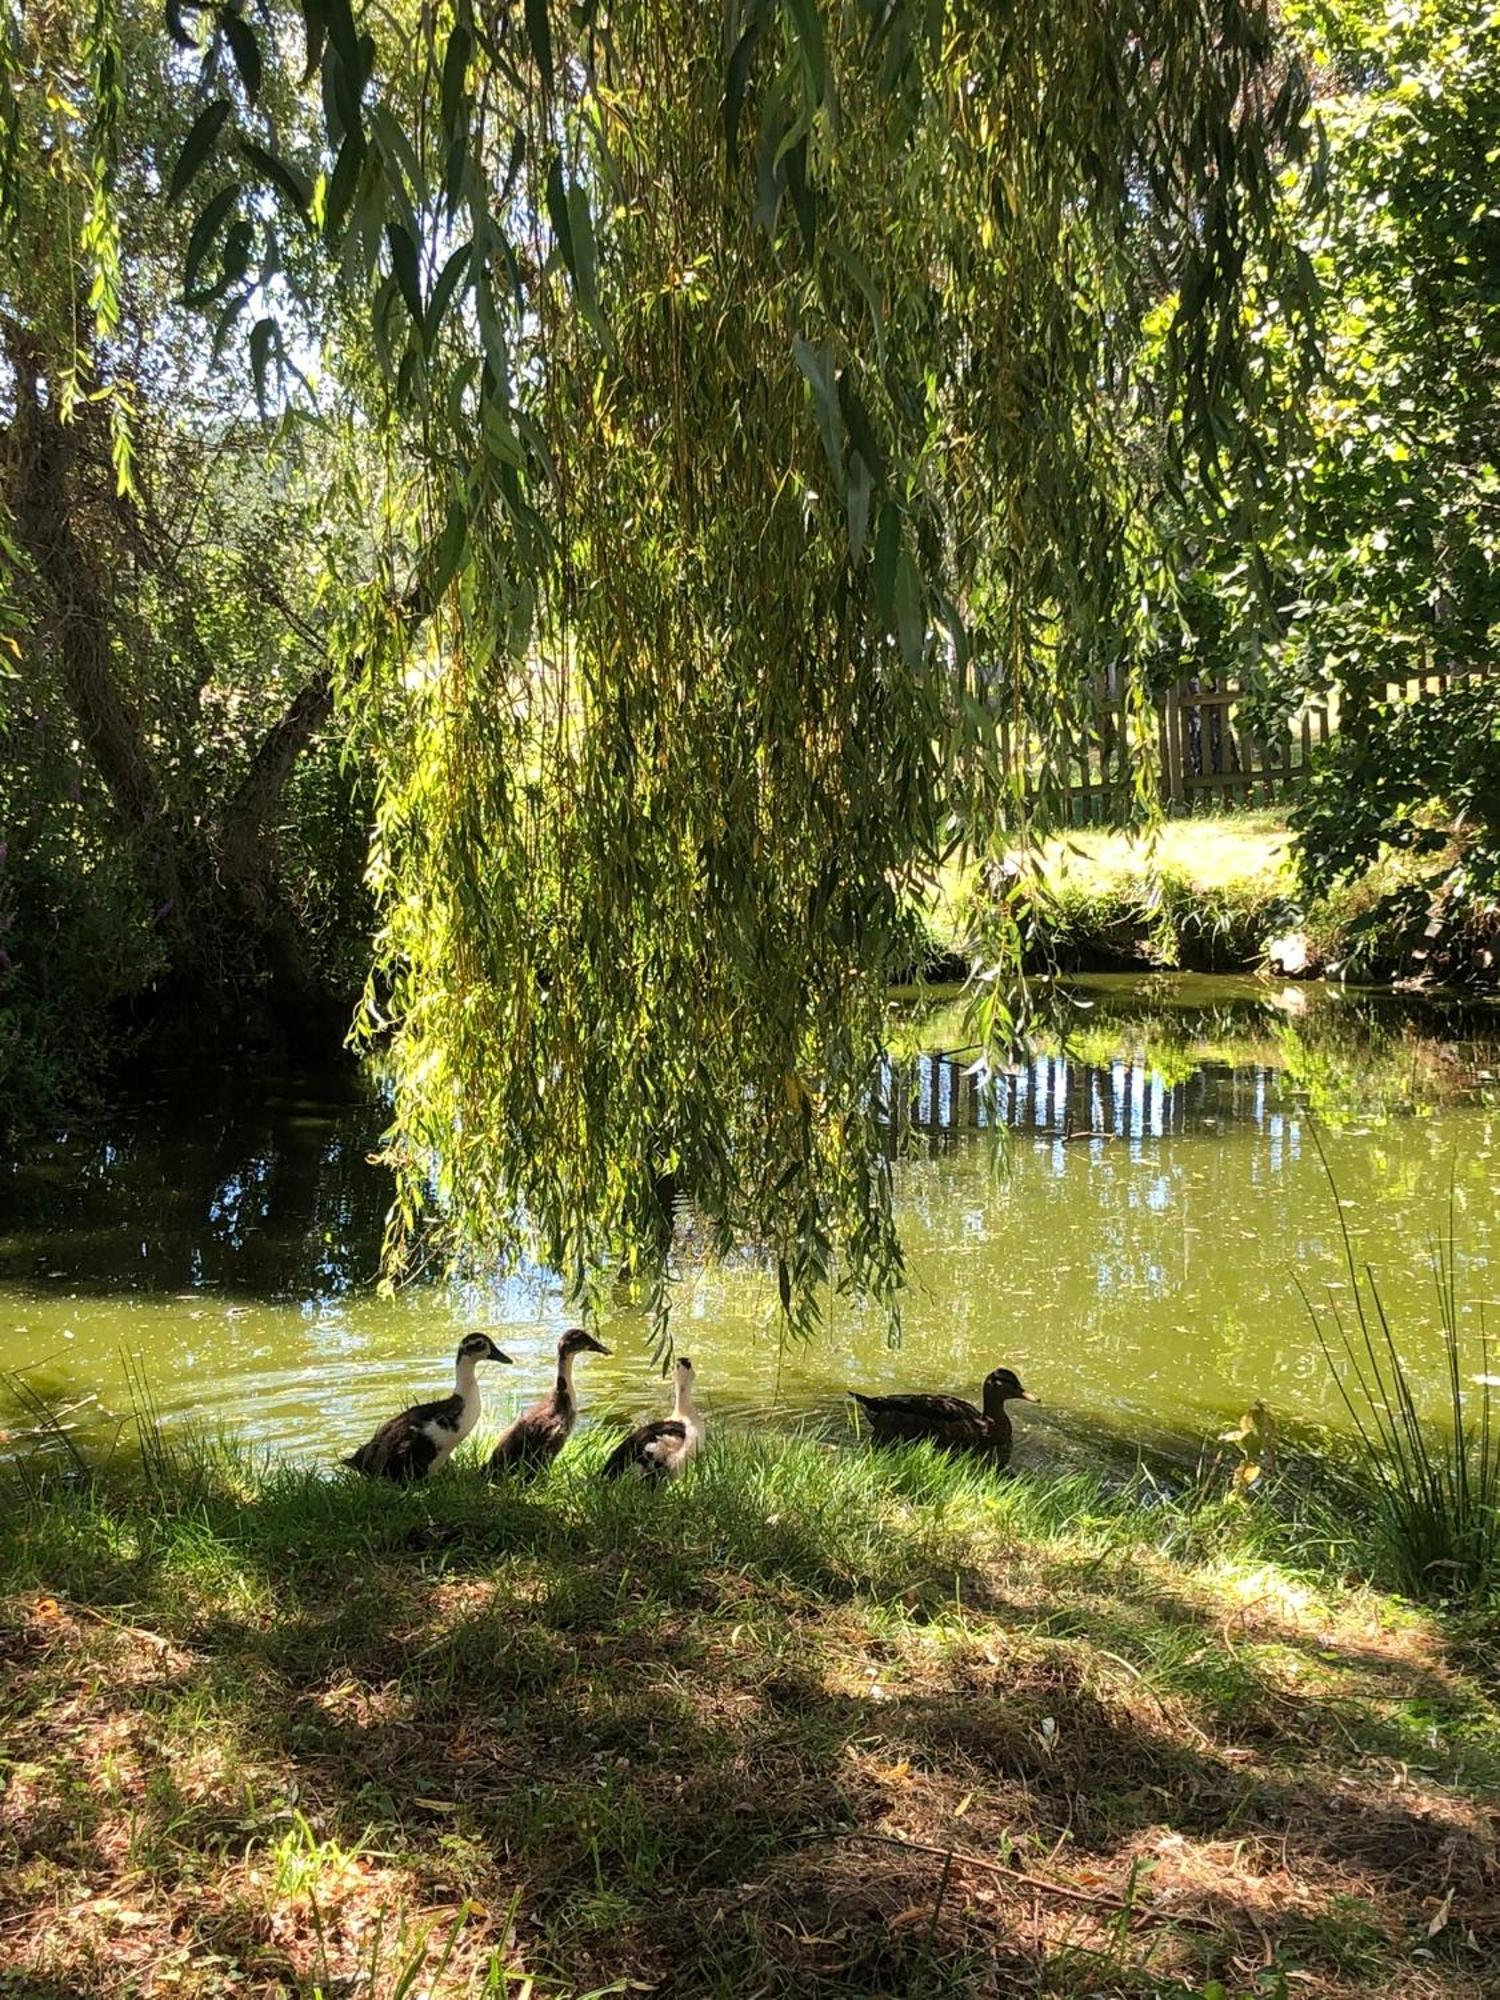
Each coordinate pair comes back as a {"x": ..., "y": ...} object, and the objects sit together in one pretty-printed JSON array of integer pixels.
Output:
[{"x": 811, "y": 1725}]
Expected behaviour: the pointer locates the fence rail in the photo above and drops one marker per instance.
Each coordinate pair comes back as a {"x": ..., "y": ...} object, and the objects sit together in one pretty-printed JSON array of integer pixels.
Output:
[{"x": 1205, "y": 752}]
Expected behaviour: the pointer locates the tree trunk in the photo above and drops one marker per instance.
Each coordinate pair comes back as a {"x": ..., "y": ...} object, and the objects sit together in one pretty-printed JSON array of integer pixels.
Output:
[{"x": 313, "y": 1019}]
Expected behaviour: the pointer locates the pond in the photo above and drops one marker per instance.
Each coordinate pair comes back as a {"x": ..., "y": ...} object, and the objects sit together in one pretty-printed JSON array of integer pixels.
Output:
[{"x": 1124, "y": 1224}]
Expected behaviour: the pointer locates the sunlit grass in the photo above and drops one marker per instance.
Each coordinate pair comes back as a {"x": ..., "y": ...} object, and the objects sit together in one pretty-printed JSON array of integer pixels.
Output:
[
  {"x": 1212, "y": 851},
  {"x": 467, "y": 1740}
]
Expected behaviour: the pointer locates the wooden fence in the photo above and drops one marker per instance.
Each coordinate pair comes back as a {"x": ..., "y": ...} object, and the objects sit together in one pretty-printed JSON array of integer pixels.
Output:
[{"x": 1206, "y": 755}]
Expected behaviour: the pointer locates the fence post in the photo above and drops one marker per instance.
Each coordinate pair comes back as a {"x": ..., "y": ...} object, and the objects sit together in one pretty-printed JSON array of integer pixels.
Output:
[{"x": 1172, "y": 738}]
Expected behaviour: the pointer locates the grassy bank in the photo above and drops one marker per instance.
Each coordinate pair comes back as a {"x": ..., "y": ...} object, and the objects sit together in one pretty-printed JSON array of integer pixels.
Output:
[
  {"x": 815, "y": 1723},
  {"x": 1199, "y": 894}
]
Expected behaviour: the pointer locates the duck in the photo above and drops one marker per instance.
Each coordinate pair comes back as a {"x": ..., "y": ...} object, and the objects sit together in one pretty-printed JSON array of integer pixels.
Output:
[
  {"x": 422, "y": 1439},
  {"x": 665, "y": 1448},
  {"x": 948, "y": 1421},
  {"x": 540, "y": 1432}
]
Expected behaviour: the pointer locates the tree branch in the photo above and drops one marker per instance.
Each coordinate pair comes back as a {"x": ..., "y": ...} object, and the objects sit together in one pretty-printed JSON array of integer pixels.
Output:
[{"x": 251, "y": 802}]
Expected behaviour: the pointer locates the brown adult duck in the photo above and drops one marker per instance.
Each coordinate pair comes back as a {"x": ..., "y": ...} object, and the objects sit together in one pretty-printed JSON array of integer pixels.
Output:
[
  {"x": 410, "y": 1446},
  {"x": 539, "y": 1433},
  {"x": 948, "y": 1421},
  {"x": 665, "y": 1448}
]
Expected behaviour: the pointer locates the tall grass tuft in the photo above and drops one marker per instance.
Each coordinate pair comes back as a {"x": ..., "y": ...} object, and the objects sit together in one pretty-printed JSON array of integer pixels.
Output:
[{"x": 1434, "y": 1483}]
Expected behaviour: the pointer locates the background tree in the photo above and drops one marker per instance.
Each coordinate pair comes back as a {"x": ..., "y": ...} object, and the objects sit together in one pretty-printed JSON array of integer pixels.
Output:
[
  {"x": 166, "y": 675},
  {"x": 1382, "y": 565}
]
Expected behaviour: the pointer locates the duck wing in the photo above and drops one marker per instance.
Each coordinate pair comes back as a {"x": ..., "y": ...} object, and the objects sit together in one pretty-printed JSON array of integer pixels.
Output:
[
  {"x": 400, "y": 1450},
  {"x": 642, "y": 1450},
  {"x": 404, "y": 1447},
  {"x": 908, "y": 1419},
  {"x": 531, "y": 1443}
]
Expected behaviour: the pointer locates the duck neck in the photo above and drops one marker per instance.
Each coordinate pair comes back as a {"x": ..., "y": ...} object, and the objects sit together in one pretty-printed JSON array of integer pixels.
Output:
[
  {"x": 563, "y": 1394},
  {"x": 994, "y": 1403},
  {"x": 684, "y": 1408},
  {"x": 466, "y": 1383}
]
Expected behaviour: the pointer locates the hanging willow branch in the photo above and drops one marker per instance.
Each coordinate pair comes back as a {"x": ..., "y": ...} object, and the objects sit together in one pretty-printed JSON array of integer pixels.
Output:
[{"x": 770, "y": 407}]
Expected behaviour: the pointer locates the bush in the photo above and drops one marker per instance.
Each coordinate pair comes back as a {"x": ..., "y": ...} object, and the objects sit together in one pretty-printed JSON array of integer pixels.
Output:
[{"x": 1398, "y": 837}]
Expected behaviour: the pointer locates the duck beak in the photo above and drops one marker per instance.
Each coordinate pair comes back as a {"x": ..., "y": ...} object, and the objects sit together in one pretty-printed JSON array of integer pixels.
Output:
[
  {"x": 598, "y": 1347},
  {"x": 1027, "y": 1397},
  {"x": 496, "y": 1355}
]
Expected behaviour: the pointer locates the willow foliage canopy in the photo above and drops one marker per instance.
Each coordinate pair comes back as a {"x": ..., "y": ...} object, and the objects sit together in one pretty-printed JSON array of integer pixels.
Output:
[{"x": 765, "y": 395}]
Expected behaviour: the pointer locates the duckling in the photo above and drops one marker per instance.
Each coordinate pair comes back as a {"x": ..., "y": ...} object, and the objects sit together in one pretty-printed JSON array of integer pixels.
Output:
[
  {"x": 666, "y": 1448},
  {"x": 539, "y": 1434},
  {"x": 423, "y": 1438},
  {"x": 948, "y": 1421}
]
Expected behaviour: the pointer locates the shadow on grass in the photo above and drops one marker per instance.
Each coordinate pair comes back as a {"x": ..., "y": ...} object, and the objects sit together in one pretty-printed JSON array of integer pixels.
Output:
[{"x": 703, "y": 1740}]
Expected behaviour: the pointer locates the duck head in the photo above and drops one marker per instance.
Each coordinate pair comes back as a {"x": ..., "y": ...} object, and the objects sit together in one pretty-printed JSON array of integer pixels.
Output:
[
  {"x": 1002, "y": 1386},
  {"x": 479, "y": 1347},
  {"x": 576, "y": 1341}
]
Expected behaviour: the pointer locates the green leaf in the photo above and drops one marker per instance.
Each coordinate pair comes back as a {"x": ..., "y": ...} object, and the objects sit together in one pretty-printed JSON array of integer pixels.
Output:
[
  {"x": 804, "y": 194},
  {"x": 492, "y": 335},
  {"x": 513, "y": 164},
  {"x": 198, "y": 144},
  {"x": 911, "y": 626},
  {"x": 315, "y": 32},
  {"x": 244, "y": 47},
  {"x": 887, "y": 549},
  {"x": 539, "y": 34},
  {"x": 399, "y": 150},
  {"x": 447, "y": 551},
  {"x": 816, "y": 364},
  {"x": 205, "y": 229},
  {"x": 455, "y": 68},
  {"x": 585, "y": 273},
  {"x": 857, "y": 423},
  {"x": 859, "y": 272},
  {"x": 265, "y": 339},
  {"x": 177, "y": 26},
  {"x": 735, "y": 78},
  {"x": 809, "y": 32},
  {"x": 289, "y": 181},
  {"x": 339, "y": 15},
  {"x": 381, "y": 307},
  {"x": 557, "y": 210},
  {"x": 234, "y": 263},
  {"x": 405, "y": 268},
  {"x": 857, "y": 491},
  {"x": 342, "y": 186},
  {"x": 442, "y": 292}
]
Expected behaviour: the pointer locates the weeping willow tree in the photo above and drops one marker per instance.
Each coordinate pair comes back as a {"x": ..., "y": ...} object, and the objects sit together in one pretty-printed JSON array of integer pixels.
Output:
[{"x": 765, "y": 396}]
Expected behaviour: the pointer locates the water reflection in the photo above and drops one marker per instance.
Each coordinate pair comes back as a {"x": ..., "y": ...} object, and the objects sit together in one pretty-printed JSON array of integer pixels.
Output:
[
  {"x": 939, "y": 1098},
  {"x": 1122, "y": 1221},
  {"x": 260, "y": 1186}
]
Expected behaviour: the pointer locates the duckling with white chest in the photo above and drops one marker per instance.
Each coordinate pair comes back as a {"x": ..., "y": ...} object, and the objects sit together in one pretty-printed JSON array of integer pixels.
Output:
[
  {"x": 666, "y": 1448},
  {"x": 539, "y": 1433},
  {"x": 420, "y": 1440}
]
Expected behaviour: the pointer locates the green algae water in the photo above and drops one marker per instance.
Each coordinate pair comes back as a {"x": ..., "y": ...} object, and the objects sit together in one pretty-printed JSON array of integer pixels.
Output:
[{"x": 1123, "y": 1219}]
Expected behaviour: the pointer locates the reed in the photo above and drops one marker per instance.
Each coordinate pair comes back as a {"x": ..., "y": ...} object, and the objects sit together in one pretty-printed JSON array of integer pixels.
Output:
[{"x": 1432, "y": 1485}]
